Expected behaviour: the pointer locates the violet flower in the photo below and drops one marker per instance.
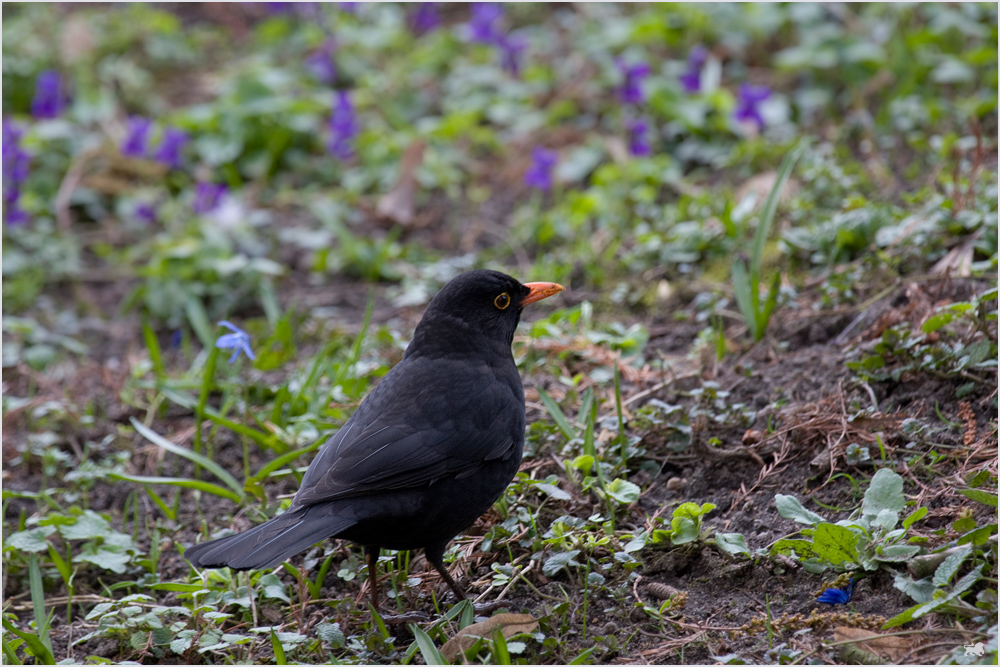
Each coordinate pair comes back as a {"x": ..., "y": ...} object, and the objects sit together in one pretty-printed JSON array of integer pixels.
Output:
[
  {"x": 145, "y": 212},
  {"x": 638, "y": 142},
  {"x": 344, "y": 126},
  {"x": 239, "y": 341},
  {"x": 136, "y": 137},
  {"x": 16, "y": 163},
  {"x": 631, "y": 90},
  {"x": 748, "y": 103},
  {"x": 48, "y": 101},
  {"x": 320, "y": 62},
  {"x": 482, "y": 27},
  {"x": 425, "y": 18},
  {"x": 171, "y": 145},
  {"x": 691, "y": 78},
  {"x": 539, "y": 174},
  {"x": 511, "y": 49},
  {"x": 207, "y": 197}
]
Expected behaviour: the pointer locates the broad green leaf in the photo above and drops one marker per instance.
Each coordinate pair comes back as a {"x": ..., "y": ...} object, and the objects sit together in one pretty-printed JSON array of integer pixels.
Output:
[
  {"x": 88, "y": 525},
  {"x": 979, "y": 536},
  {"x": 980, "y": 496},
  {"x": 835, "y": 544},
  {"x": 732, "y": 544},
  {"x": 790, "y": 508},
  {"x": 30, "y": 541},
  {"x": 897, "y": 553},
  {"x": 885, "y": 492},
  {"x": 949, "y": 566},
  {"x": 915, "y": 516},
  {"x": 623, "y": 491},
  {"x": 430, "y": 652}
]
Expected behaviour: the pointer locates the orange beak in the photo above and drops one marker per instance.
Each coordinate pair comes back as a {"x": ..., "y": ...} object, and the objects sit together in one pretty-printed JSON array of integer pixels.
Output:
[{"x": 541, "y": 291}]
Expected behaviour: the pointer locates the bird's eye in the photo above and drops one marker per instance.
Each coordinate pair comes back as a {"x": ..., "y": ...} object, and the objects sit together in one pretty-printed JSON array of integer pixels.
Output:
[{"x": 502, "y": 301}]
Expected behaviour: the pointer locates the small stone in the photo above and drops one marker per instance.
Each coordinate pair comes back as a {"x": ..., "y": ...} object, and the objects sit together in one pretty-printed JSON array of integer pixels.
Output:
[{"x": 676, "y": 483}]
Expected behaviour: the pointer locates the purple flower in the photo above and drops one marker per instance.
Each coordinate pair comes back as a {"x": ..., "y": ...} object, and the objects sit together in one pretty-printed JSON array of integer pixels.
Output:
[
  {"x": 425, "y": 18},
  {"x": 15, "y": 172},
  {"x": 48, "y": 101},
  {"x": 638, "y": 142},
  {"x": 349, "y": 7},
  {"x": 748, "y": 103},
  {"x": 511, "y": 49},
  {"x": 482, "y": 27},
  {"x": 691, "y": 78},
  {"x": 239, "y": 341},
  {"x": 838, "y": 595},
  {"x": 207, "y": 197},
  {"x": 136, "y": 137},
  {"x": 344, "y": 126},
  {"x": 631, "y": 90},
  {"x": 145, "y": 212},
  {"x": 169, "y": 151},
  {"x": 539, "y": 174},
  {"x": 320, "y": 62}
]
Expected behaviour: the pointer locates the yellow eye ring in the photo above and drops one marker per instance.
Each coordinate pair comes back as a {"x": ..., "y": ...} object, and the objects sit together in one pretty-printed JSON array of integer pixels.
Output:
[{"x": 502, "y": 301}]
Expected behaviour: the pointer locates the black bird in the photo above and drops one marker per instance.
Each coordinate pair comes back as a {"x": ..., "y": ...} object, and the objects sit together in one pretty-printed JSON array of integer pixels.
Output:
[{"x": 427, "y": 452}]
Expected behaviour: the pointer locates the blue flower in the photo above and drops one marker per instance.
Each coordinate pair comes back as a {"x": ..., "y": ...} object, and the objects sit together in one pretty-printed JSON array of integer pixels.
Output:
[
  {"x": 145, "y": 212},
  {"x": 482, "y": 26},
  {"x": 207, "y": 196},
  {"x": 136, "y": 137},
  {"x": 748, "y": 103},
  {"x": 425, "y": 18},
  {"x": 631, "y": 90},
  {"x": 510, "y": 53},
  {"x": 320, "y": 62},
  {"x": 838, "y": 595},
  {"x": 638, "y": 142},
  {"x": 344, "y": 126},
  {"x": 239, "y": 341},
  {"x": 539, "y": 174},
  {"x": 169, "y": 151},
  {"x": 48, "y": 101},
  {"x": 691, "y": 78}
]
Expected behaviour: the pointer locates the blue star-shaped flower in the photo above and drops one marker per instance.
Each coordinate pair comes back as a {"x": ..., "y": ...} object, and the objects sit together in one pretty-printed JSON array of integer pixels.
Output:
[
  {"x": 838, "y": 595},
  {"x": 239, "y": 341}
]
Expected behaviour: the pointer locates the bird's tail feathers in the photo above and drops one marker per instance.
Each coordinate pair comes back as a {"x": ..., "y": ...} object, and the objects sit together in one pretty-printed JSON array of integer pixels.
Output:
[{"x": 270, "y": 543}]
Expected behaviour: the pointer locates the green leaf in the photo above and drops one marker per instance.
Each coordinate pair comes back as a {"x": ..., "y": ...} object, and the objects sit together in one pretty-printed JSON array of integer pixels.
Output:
[
  {"x": 885, "y": 492},
  {"x": 771, "y": 205},
  {"x": 623, "y": 491},
  {"x": 279, "y": 650},
  {"x": 917, "y": 515},
  {"x": 790, "y": 508},
  {"x": 935, "y": 322},
  {"x": 732, "y": 544},
  {"x": 897, "y": 553},
  {"x": 430, "y": 652},
  {"x": 980, "y": 496},
  {"x": 88, "y": 525},
  {"x": 558, "y": 416},
  {"x": 194, "y": 484},
  {"x": 835, "y": 544},
  {"x": 35, "y": 645},
  {"x": 198, "y": 319},
  {"x": 949, "y": 566},
  {"x": 332, "y": 634},
  {"x": 979, "y": 536},
  {"x": 205, "y": 462},
  {"x": 743, "y": 289},
  {"x": 30, "y": 541},
  {"x": 559, "y": 562}
]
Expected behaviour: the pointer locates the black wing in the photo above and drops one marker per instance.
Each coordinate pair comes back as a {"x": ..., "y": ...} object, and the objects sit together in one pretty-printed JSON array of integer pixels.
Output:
[{"x": 425, "y": 420}]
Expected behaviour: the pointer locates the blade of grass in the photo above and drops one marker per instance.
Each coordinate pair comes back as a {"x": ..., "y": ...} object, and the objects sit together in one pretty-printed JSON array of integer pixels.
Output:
[
  {"x": 432, "y": 656},
  {"x": 557, "y": 414},
  {"x": 279, "y": 650},
  {"x": 266, "y": 440},
  {"x": 198, "y": 319},
  {"x": 621, "y": 414},
  {"x": 153, "y": 346},
  {"x": 186, "y": 482},
  {"x": 38, "y": 601},
  {"x": 501, "y": 654},
  {"x": 771, "y": 205},
  {"x": 282, "y": 460},
  {"x": 205, "y": 462},
  {"x": 742, "y": 289},
  {"x": 37, "y": 648}
]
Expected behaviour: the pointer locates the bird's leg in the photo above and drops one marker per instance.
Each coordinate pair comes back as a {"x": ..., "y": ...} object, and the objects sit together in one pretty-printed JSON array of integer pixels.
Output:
[
  {"x": 371, "y": 553},
  {"x": 436, "y": 556}
]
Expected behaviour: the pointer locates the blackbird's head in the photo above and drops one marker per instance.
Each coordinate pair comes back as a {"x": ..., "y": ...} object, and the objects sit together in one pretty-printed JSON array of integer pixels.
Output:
[{"x": 476, "y": 304}]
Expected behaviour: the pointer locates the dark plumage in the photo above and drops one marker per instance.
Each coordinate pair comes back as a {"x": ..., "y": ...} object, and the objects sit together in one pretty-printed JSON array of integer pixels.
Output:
[{"x": 428, "y": 450}]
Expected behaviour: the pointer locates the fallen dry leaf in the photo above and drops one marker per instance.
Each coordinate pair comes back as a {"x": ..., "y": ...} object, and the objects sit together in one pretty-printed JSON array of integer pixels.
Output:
[
  {"x": 508, "y": 624},
  {"x": 397, "y": 204},
  {"x": 890, "y": 649}
]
